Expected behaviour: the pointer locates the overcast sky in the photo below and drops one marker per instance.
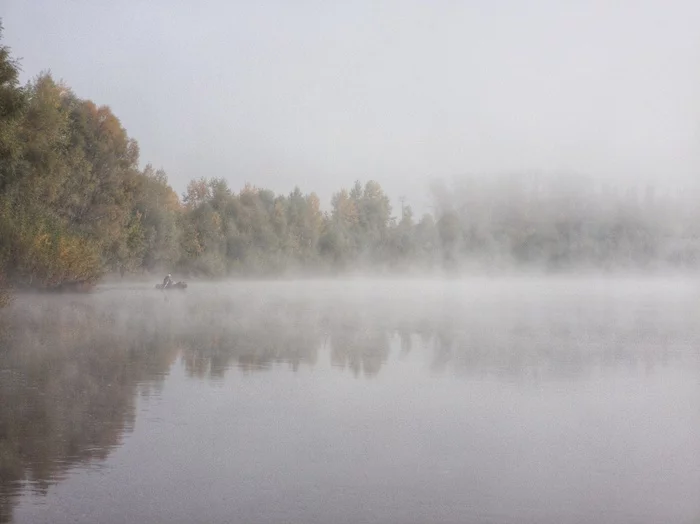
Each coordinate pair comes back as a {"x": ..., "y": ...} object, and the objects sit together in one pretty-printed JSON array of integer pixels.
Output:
[{"x": 320, "y": 93}]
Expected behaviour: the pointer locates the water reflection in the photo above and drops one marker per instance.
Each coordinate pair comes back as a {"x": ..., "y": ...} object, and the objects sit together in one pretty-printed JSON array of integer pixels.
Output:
[
  {"x": 69, "y": 377},
  {"x": 72, "y": 369},
  {"x": 560, "y": 337}
]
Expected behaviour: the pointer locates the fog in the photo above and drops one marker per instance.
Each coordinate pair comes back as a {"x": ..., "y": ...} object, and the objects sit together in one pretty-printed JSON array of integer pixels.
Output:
[
  {"x": 516, "y": 399},
  {"x": 436, "y": 262},
  {"x": 319, "y": 95}
]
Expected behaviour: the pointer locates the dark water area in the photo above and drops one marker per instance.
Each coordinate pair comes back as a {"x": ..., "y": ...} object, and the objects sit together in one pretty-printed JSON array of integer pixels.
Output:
[{"x": 562, "y": 400}]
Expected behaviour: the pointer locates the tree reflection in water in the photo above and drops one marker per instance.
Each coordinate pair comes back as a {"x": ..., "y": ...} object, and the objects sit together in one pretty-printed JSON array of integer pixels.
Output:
[
  {"x": 69, "y": 378},
  {"x": 72, "y": 368}
]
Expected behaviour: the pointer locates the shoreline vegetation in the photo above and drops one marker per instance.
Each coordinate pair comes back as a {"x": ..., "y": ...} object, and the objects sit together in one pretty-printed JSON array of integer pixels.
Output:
[{"x": 75, "y": 207}]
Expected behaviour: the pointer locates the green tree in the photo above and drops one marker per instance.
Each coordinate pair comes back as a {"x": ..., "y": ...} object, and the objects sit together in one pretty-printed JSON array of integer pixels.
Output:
[
  {"x": 12, "y": 106},
  {"x": 159, "y": 209}
]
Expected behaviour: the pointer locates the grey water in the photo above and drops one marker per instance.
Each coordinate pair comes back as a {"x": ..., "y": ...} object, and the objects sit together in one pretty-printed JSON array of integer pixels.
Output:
[{"x": 504, "y": 400}]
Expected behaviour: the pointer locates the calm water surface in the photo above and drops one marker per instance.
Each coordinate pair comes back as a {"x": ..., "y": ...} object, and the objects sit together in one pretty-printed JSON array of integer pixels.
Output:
[{"x": 475, "y": 401}]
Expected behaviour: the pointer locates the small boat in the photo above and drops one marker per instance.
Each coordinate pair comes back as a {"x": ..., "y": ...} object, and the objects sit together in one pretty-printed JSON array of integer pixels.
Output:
[{"x": 177, "y": 285}]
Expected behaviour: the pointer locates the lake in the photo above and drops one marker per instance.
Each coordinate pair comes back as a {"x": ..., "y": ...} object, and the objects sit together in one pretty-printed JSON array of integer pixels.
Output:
[{"x": 504, "y": 400}]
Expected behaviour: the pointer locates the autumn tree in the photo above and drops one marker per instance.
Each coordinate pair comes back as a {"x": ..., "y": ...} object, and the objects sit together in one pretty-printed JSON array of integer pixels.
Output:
[
  {"x": 12, "y": 105},
  {"x": 159, "y": 208}
]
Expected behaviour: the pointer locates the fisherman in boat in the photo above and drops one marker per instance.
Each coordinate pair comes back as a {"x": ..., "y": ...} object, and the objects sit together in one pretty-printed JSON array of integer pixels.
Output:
[{"x": 167, "y": 281}]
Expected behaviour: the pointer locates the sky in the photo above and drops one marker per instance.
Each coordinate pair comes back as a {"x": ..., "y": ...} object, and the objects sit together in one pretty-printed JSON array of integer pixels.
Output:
[{"x": 321, "y": 93}]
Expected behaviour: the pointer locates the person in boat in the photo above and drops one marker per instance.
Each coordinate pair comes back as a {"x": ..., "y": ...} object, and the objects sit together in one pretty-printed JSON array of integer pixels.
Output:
[{"x": 168, "y": 281}]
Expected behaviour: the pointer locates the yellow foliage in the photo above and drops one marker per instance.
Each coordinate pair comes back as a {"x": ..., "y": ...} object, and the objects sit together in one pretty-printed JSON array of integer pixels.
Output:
[{"x": 49, "y": 260}]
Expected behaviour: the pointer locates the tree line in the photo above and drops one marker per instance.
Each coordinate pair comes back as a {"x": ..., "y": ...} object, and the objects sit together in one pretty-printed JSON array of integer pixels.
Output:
[
  {"x": 75, "y": 204},
  {"x": 568, "y": 222}
]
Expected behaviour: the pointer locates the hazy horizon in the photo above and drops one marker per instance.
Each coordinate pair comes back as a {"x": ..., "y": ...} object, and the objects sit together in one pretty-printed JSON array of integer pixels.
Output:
[
  {"x": 319, "y": 95},
  {"x": 518, "y": 345}
]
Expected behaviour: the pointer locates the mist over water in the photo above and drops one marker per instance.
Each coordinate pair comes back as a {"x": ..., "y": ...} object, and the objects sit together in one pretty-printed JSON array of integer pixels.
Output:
[
  {"x": 557, "y": 399},
  {"x": 373, "y": 159}
]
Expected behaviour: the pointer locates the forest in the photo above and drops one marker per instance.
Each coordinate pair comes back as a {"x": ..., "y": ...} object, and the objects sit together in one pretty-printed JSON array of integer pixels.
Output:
[{"x": 77, "y": 204}]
